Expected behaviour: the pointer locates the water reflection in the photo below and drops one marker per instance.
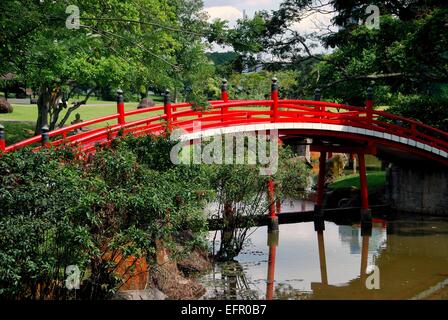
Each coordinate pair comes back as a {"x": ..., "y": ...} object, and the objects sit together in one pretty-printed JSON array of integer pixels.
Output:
[{"x": 301, "y": 263}]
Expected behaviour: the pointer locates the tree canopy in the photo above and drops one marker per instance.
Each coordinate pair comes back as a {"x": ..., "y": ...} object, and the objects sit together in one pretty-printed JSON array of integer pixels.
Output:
[{"x": 128, "y": 44}]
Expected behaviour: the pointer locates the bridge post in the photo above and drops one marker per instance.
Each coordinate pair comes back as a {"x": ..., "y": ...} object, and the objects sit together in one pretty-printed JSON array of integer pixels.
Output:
[
  {"x": 120, "y": 107},
  {"x": 366, "y": 214},
  {"x": 273, "y": 223},
  {"x": 317, "y": 94},
  {"x": 366, "y": 233},
  {"x": 317, "y": 97},
  {"x": 274, "y": 97},
  {"x": 224, "y": 97},
  {"x": 322, "y": 257},
  {"x": 45, "y": 136},
  {"x": 2, "y": 138},
  {"x": 272, "y": 244},
  {"x": 167, "y": 108},
  {"x": 318, "y": 210},
  {"x": 369, "y": 104}
]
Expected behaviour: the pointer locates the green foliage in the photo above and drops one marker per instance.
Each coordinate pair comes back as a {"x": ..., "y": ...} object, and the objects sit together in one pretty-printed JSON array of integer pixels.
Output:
[
  {"x": 131, "y": 44},
  {"x": 58, "y": 211},
  {"x": 257, "y": 86},
  {"x": 428, "y": 109},
  {"x": 242, "y": 195},
  {"x": 407, "y": 55}
]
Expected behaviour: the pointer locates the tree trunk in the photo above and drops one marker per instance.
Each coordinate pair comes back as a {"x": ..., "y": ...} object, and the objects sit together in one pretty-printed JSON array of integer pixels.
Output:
[{"x": 43, "y": 109}]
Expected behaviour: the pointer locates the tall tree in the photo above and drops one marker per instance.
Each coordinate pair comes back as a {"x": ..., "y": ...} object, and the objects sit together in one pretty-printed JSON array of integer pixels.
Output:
[{"x": 118, "y": 44}]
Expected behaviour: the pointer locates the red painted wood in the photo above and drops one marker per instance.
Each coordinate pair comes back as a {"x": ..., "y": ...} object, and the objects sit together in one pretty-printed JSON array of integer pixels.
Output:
[
  {"x": 363, "y": 179},
  {"x": 121, "y": 113},
  {"x": 321, "y": 179},
  {"x": 248, "y": 112}
]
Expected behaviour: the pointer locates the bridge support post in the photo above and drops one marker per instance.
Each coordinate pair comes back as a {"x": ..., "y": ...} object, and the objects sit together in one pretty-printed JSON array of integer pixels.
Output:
[
  {"x": 224, "y": 98},
  {"x": 273, "y": 218},
  {"x": 120, "y": 107},
  {"x": 45, "y": 141},
  {"x": 167, "y": 108},
  {"x": 366, "y": 214},
  {"x": 322, "y": 257},
  {"x": 366, "y": 233},
  {"x": 318, "y": 210},
  {"x": 274, "y": 97},
  {"x": 272, "y": 244},
  {"x": 2, "y": 138},
  {"x": 317, "y": 97}
]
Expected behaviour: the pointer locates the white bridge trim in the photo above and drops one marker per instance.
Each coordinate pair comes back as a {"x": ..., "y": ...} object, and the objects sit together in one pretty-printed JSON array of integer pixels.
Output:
[{"x": 310, "y": 126}]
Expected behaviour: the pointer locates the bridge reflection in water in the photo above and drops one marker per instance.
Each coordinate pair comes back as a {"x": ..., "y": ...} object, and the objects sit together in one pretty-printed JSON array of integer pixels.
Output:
[{"x": 299, "y": 262}]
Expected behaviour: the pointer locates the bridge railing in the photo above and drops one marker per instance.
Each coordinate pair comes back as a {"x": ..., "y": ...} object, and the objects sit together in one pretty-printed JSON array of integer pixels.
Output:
[{"x": 227, "y": 112}]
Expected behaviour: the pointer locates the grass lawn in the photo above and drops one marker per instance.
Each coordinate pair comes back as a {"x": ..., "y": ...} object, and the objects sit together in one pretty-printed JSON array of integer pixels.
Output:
[
  {"x": 18, "y": 131},
  {"x": 375, "y": 180},
  {"x": 94, "y": 109}
]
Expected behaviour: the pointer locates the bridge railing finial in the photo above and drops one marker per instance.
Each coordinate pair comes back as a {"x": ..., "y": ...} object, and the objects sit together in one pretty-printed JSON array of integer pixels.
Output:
[
  {"x": 317, "y": 94},
  {"x": 369, "y": 104},
  {"x": 167, "y": 107},
  {"x": 2, "y": 138},
  {"x": 45, "y": 140},
  {"x": 274, "y": 97}
]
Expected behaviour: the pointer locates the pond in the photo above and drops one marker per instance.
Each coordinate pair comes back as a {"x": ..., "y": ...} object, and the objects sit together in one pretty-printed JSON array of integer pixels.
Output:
[{"x": 410, "y": 253}]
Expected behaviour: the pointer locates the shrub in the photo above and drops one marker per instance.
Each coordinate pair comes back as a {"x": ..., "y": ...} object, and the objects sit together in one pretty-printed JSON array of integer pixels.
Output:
[
  {"x": 57, "y": 211},
  {"x": 427, "y": 109}
]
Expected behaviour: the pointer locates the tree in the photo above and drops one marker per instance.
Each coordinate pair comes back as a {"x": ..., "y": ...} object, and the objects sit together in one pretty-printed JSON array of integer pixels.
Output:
[
  {"x": 407, "y": 55},
  {"x": 119, "y": 44},
  {"x": 241, "y": 195}
]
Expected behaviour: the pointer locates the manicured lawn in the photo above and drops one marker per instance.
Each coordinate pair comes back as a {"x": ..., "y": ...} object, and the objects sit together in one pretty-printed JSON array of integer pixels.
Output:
[
  {"x": 94, "y": 109},
  {"x": 18, "y": 131},
  {"x": 375, "y": 180}
]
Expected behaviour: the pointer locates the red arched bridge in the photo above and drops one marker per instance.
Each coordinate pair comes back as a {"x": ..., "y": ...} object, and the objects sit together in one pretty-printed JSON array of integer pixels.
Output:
[{"x": 332, "y": 127}]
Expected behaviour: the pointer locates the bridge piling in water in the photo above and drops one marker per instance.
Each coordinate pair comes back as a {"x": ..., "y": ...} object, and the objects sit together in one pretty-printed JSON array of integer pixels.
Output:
[
  {"x": 366, "y": 213},
  {"x": 272, "y": 244},
  {"x": 318, "y": 208},
  {"x": 273, "y": 223}
]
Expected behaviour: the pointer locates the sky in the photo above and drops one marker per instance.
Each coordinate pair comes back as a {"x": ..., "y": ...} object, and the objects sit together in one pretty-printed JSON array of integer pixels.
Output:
[{"x": 231, "y": 10}]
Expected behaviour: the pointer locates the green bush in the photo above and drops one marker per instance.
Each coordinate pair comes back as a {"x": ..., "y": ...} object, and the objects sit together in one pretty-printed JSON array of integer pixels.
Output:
[
  {"x": 58, "y": 211},
  {"x": 431, "y": 110}
]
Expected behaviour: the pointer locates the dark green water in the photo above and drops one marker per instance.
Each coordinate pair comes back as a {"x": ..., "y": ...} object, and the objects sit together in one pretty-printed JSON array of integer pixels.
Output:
[{"x": 411, "y": 255}]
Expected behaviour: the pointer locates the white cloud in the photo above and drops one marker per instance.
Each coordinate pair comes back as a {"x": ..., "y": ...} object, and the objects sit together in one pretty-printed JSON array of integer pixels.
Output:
[{"x": 228, "y": 13}]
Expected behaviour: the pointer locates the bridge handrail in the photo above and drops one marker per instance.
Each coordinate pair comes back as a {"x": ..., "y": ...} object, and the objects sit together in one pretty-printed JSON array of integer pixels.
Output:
[{"x": 357, "y": 114}]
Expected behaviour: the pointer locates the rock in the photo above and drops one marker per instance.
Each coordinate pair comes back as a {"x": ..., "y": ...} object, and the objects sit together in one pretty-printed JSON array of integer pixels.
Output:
[
  {"x": 169, "y": 280},
  {"x": 5, "y": 106},
  {"x": 335, "y": 167},
  {"x": 147, "y": 294},
  {"x": 145, "y": 103},
  {"x": 197, "y": 261}
]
